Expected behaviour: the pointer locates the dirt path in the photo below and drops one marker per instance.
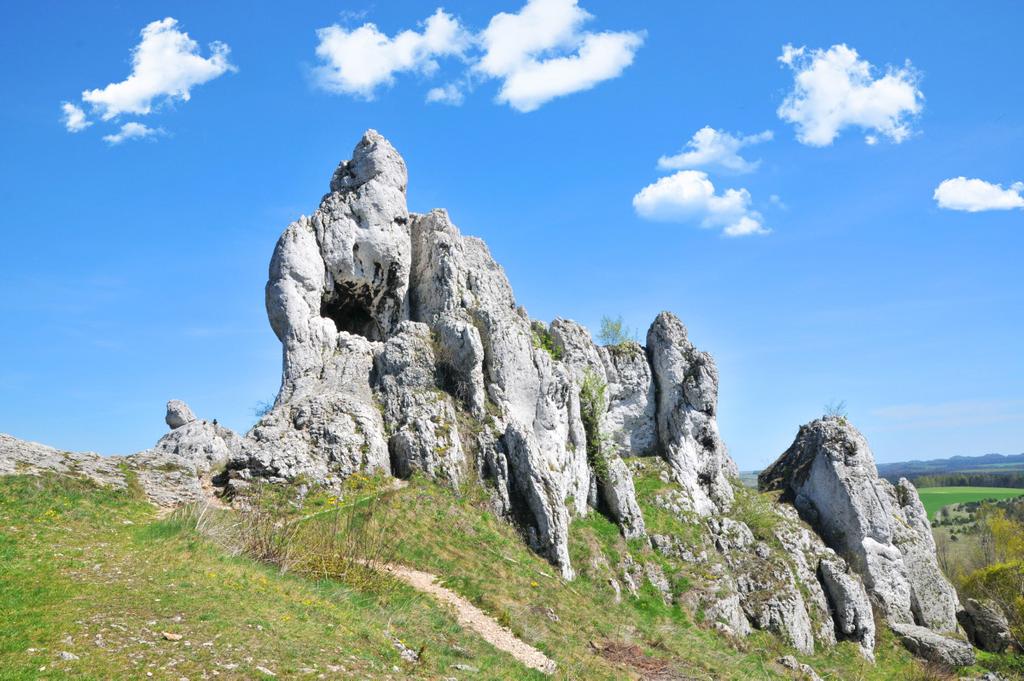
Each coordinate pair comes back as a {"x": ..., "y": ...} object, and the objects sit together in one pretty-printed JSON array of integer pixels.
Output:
[{"x": 476, "y": 619}]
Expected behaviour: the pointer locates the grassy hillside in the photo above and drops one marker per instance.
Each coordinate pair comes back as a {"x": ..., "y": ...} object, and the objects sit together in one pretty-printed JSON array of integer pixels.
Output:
[
  {"x": 935, "y": 498},
  {"x": 91, "y": 579}
]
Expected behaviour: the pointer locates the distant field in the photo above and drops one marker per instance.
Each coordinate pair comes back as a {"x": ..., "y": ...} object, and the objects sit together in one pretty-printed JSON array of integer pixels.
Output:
[{"x": 935, "y": 498}]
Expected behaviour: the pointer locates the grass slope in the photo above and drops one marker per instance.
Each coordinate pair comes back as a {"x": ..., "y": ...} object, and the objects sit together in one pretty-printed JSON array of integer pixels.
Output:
[
  {"x": 934, "y": 498},
  {"x": 94, "y": 572}
]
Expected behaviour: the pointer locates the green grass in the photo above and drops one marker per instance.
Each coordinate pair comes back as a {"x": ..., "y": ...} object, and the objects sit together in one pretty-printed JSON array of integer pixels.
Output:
[
  {"x": 95, "y": 572},
  {"x": 934, "y": 498}
]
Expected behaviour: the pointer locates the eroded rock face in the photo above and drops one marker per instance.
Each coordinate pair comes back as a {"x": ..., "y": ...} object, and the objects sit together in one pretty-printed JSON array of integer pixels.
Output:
[
  {"x": 419, "y": 417},
  {"x": 631, "y": 399},
  {"x": 686, "y": 384},
  {"x": 405, "y": 351},
  {"x": 850, "y": 605},
  {"x": 829, "y": 475}
]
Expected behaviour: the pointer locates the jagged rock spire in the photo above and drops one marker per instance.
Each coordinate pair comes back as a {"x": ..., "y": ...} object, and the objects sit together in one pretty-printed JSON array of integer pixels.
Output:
[
  {"x": 398, "y": 331},
  {"x": 829, "y": 475}
]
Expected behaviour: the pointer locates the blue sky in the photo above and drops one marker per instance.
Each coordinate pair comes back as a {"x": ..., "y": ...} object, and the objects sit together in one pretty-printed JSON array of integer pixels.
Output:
[{"x": 133, "y": 272}]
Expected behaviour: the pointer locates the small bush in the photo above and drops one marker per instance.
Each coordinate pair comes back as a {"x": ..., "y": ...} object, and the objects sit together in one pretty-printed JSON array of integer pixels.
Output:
[
  {"x": 543, "y": 340},
  {"x": 263, "y": 408},
  {"x": 613, "y": 332},
  {"x": 836, "y": 410}
]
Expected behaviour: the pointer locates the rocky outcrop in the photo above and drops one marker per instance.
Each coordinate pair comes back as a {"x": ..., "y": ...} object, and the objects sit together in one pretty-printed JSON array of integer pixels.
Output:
[
  {"x": 178, "y": 414},
  {"x": 829, "y": 475},
  {"x": 851, "y": 609},
  {"x": 686, "y": 386},
  {"x": 986, "y": 625},
  {"x": 613, "y": 483},
  {"x": 933, "y": 600},
  {"x": 169, "y": 474},
  {"x": 405, "y": 350},
  {"x": 203, "y": 444},
  {"x": 419, "y": 418},
  {"x": 932, "y": 645},
  {"x": 771, "y": 600}
]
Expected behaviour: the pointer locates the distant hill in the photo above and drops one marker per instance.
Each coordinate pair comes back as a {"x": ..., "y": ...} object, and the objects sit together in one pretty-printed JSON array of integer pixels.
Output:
[
  {"x": 984, "y": 463},
  {"x": 999, "y": 470}
]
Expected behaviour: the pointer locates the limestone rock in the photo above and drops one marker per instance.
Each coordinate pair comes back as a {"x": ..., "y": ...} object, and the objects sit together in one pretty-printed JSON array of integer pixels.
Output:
[
  {"x": 630, "y": 420},
  {"x": 727, "y": 613},
  {"x": 768, "y": 591},
  {"x": 829, "y": 475},
  {"x": 805, "y": 671},
  {"x": 686, "y": 382},
  {"x": 933, "y": 599},
  {"x": 531, "y": 398},
  {"x": 178, "y": 414},
  {"x": 931, "y": 645},
  {"x": 324, "y": 431},
  {"x": 805, "y": 551},
  {"x": 619, "y": 497},
  {"x": 850, "y": 605},
  {"x": 614, "y": 484},
  {"x": 404, "y": 349},
  {"x": 204, "y": 444},
  {"x": 419, "y": 417},
  {"x": 986, "y": 625},
  {"x": 167, "y": 480}
]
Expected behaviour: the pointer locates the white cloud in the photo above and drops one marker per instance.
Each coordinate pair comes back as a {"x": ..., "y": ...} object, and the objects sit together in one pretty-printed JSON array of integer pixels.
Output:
[
  {"x": 449, "y": 94},
  {"x": 791, "y": 54},
  {"x": 165, "y": 64},
  {"x": 835, "y": 88},
  {"x": 689, "y": 196},
  {"x": 131, "y": 131},
  {"x": 538, "y": 53},
  {"x": 976, "y": 195},
  {"x": 710, "y": 147},
  {"x": 358, "y": 61},
  {"x": 541, "y": 53},
  {"x": 74, "y": 118}
]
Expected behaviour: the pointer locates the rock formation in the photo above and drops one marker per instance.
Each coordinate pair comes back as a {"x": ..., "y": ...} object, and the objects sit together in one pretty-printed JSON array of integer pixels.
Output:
[
  {"x": 201, "y": 444},
  {"x": 405, "y": 350},
  {"x": 829, "y": 475},
  {"x": 171, "y": 473},
  {"x": 986, "y": 625}
]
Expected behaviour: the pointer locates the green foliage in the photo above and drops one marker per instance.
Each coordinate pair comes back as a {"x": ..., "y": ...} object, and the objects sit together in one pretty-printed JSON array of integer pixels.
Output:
[
  {"x": 1004, "y": 584},
  {"x": 614, "y": 332},
  {"x": 592, "y": 406},
  {"x": 543, "y": 340},
  {"x": 757, "y": 510},
  {"x": 1012, "y": 479}
]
